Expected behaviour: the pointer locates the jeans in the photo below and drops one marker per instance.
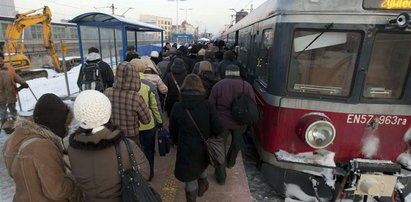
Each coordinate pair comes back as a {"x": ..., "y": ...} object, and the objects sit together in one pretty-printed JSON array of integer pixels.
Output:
[
  {"x": 147, "y": 142},
  {"x": 3, "y": 112},
  {"x": 236, "y": 141},
  {"x": 193, "y": 185}
]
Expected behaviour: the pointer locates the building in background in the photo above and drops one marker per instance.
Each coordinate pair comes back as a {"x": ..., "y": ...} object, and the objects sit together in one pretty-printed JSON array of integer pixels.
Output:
[
  {"x": 7, "y": 8},
  {"x": 162, "y": 22}
]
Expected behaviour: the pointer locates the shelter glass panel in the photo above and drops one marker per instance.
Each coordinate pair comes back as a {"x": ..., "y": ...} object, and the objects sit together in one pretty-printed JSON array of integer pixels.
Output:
[
  {"x": 389, "y": 66},
  {"x": 148, "y": 41},
  {"x": 323, "y": 62}
]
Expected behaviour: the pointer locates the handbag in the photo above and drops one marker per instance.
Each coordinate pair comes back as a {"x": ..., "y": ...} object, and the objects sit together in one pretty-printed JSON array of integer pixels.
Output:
[
  {"x": 215, "y": 146},
  {"x": 134, "y": 188},
  {"x": 163, "y": 140}
]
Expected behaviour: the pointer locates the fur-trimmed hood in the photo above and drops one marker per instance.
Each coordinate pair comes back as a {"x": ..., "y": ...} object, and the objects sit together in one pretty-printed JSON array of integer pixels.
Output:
[
  {"x": 93, "y": 57},
  {"x": 102, "y": 139},
  {"x": 25, "y": 129}
]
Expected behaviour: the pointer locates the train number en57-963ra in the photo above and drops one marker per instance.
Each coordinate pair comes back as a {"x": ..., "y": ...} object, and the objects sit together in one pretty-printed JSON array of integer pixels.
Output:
[{"x": 382, "y": 119}]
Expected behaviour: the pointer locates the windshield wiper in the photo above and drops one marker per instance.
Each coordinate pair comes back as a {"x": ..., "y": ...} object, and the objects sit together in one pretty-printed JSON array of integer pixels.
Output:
[{"x": 327, "y": 27}]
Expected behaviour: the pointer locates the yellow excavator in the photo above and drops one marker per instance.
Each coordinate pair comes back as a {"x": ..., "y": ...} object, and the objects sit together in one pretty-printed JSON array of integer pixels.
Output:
[{"x": 14, "y": 33}]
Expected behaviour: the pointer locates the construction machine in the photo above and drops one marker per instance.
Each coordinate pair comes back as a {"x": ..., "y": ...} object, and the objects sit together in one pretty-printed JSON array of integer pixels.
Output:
[{"x": 14, "y": 33}]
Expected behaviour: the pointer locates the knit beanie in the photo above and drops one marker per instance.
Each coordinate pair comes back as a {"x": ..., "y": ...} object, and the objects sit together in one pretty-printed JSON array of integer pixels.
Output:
[
  {"x": 178, "y": 64},
  {"x": 138, "y": 64},
  {"x": 52, "y": 113},
  {"x": 154, "y": 54},
  {"x": 93, "y": 50},
  {"x": 232, "y": 70},
  {"x": 92, "y": 109}
]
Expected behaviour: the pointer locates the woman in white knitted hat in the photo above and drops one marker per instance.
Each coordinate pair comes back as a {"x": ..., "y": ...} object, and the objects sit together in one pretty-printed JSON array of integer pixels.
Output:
[{"x": 92, "y": 149}]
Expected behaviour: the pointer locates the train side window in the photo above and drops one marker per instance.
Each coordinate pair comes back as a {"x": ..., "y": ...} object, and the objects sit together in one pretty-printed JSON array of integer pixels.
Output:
[
  {"x": 389, "y": 65},
  {"x": 263, "y": 61},
  {"x": 323, "y": 62}
]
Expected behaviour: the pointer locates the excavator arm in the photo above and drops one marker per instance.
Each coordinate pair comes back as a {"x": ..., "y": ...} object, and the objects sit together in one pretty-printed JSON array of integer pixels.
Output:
[{"x": 14, "y": 32}]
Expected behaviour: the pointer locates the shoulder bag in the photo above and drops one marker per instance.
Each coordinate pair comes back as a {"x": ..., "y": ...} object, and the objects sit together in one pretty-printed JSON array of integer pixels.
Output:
[
  {"x": 215, "y": 146},
  {"x": 134, "y": 188}
]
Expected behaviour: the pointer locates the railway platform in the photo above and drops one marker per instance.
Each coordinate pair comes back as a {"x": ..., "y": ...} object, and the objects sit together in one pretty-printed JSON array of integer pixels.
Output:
[{"x": 235, "y": 189}]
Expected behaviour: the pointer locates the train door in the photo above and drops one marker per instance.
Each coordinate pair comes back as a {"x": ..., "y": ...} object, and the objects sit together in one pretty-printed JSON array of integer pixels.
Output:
[
  {"x": 252, "y": 58},
  {"x": 264, "y": 50}
]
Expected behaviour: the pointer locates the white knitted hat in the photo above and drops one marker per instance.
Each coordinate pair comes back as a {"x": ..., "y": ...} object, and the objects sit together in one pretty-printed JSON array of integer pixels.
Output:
[{"x": 92, "y": 109}]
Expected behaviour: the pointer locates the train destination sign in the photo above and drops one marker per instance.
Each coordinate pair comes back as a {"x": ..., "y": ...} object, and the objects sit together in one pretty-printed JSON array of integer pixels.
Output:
[{"x": 387, "y": 4}]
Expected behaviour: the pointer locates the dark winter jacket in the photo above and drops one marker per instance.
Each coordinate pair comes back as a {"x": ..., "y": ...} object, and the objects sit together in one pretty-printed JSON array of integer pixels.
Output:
[
  {"x": 191, "y": 61},
  {"x": 191, "y": 157},
  {"x": 209, "y": 80},
  {"x": 94, "y": 163},
  {"x": 34, "y": 159},
  {"x": 127, "y": 105},
  {"x": 223, "y": 94},
  {"x": 106, "y": 71},
  {"x": 173, "y": 94}
]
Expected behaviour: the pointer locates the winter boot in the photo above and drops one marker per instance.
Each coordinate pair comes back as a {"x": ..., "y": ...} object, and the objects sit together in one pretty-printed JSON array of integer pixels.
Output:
[
  {"x": 202, "y": 186},
  {"x": 191, "y": 196}
]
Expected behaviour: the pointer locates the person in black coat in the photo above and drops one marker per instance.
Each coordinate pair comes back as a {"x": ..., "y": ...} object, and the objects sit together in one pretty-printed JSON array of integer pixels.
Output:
[
  {"x": 177, "y": 74},
  {"x": 192, "y": 159},
  {"x": 207, "y": 76},
  {"x": 107, "y": 75}
]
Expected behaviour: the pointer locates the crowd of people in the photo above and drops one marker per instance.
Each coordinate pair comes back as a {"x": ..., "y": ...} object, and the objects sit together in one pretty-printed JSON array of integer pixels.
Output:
[{"x": 195, "y": 86}]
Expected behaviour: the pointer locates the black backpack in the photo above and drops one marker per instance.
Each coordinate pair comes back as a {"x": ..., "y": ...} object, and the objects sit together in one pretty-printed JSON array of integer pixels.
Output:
[
  {"x": 91, "y": 77},
  {"x": 244, "y": 110}
]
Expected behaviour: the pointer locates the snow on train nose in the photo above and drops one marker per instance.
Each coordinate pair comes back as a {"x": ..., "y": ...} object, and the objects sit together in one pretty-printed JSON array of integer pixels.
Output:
[{"x": 316, "y": 130}]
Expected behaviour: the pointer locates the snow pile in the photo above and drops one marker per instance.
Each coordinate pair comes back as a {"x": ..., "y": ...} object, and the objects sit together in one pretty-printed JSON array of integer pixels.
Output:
[
  {"x": 41, "y": 86},
  {"x": 7, "y": 187},
  {"x": 405, "y": 160},
  {"x": 407, "y": 136},
  {"x": 319, "y": 157},
  {"x": 370, "y": 146},
  {"x": 293, "y": 192}
]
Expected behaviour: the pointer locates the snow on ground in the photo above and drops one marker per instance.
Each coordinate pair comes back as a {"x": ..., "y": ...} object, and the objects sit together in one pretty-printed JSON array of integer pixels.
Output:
[{"x": 7, "y": 187}]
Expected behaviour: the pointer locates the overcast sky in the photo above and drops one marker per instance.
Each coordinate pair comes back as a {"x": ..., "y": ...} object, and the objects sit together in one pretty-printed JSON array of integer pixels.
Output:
[{"x": 209, "y": 14}]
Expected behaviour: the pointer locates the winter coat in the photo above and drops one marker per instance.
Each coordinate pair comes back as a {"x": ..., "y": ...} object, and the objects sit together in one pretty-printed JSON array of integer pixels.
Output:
[
  {"x": 209, "y": 80},
  {"x": 163, "y": 66},
  {"x": 192, "y": 158},
  {"x": 173, "y": 93},
  {"x": 106, "y": 71},
  {"x": 34, "y": 159},
  {"x": 223, "y": 94},
  {"x": 127, "y": 105},
  {"x": 7, "y": 87},
  {"x": 146, "y": 91},
  {"x": 191, "y": 61},
  {"x": 156, "y": 80},
  {"x": 94, "y": 163}
]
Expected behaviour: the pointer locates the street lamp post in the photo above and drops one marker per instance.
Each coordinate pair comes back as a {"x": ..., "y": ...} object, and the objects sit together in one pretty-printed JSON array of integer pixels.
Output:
[
  {"x": 177, "y": 11},
  {"x": 186, "y": 9}
]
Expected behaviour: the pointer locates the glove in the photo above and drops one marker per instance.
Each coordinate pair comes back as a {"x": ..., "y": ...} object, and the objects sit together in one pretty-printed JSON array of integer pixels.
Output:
[{"x": 24, "y": 85}]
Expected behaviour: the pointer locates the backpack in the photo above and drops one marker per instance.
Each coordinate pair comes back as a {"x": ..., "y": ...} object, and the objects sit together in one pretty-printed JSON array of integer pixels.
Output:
[
  {"x": 244, "y": 110},
  {"x": 91, "y": 77}
]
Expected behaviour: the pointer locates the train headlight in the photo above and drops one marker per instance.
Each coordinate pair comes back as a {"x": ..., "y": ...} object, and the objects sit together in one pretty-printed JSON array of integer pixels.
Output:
[
  {"x": 316, "y": 130},
  {"x": 319, "y": 134}
]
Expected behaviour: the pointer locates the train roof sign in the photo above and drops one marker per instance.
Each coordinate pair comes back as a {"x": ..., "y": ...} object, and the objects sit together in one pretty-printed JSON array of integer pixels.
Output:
[
  {"x": 387, "y": 4},
  {"x": 104, "y": 19}
]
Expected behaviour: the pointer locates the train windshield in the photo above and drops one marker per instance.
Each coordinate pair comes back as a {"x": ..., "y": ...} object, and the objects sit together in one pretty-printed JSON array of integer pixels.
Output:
[
  {"x": 323, "y": 62},
  {"x": 389, "y": 65}
]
